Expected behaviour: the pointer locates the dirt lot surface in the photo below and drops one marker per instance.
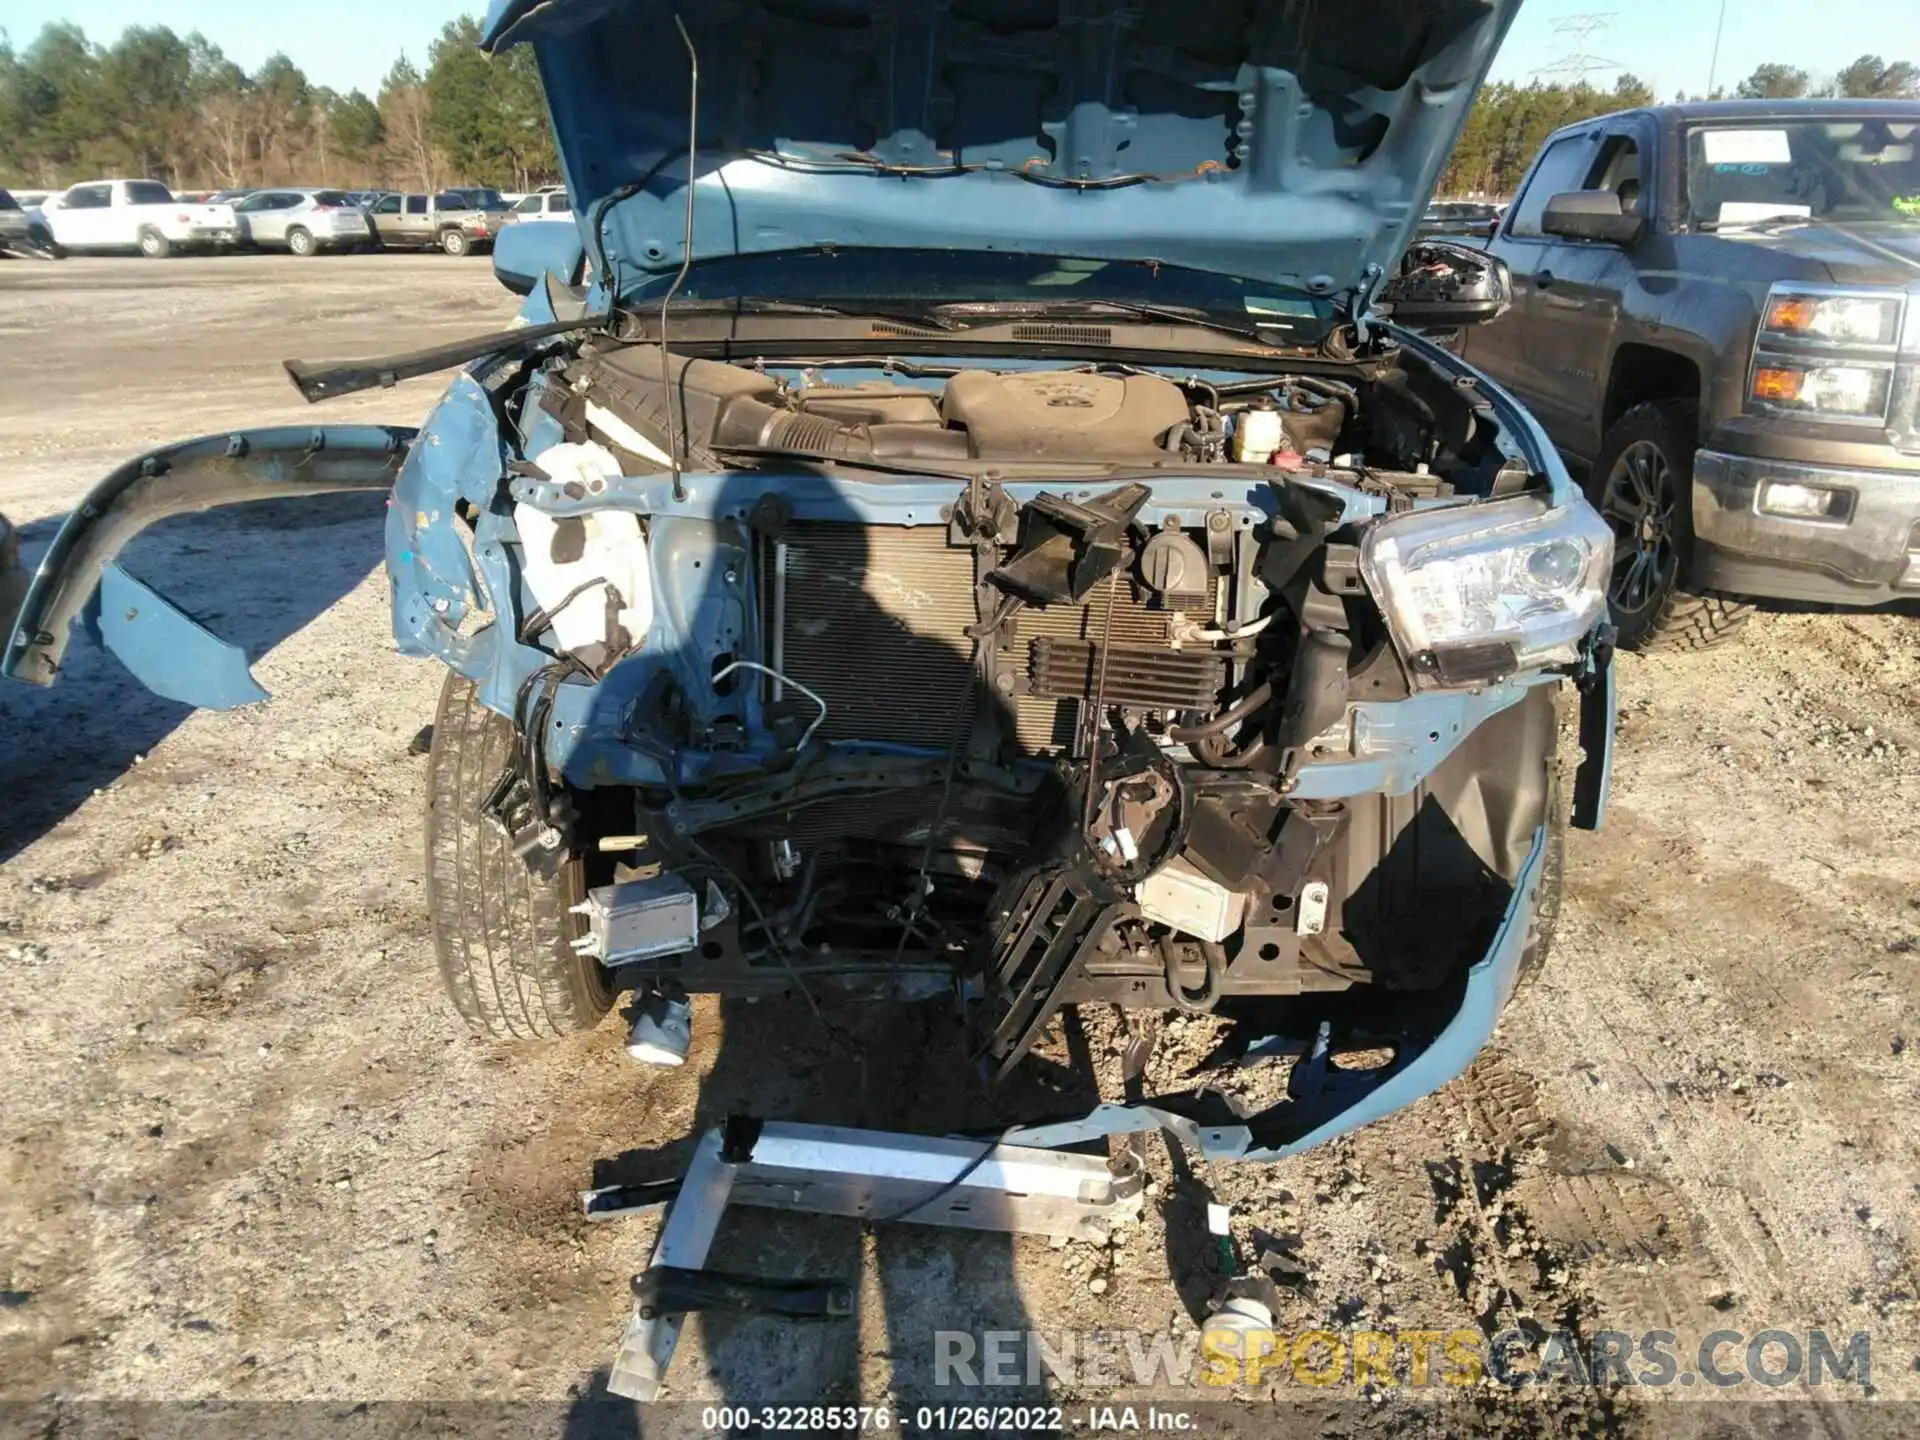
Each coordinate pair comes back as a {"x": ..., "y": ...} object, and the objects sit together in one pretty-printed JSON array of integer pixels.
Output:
[{"x": 250, "y": 1153}]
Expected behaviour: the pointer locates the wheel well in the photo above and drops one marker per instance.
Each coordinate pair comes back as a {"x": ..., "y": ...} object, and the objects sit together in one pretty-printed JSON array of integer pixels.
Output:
[{"x": 1642, "y": 373}]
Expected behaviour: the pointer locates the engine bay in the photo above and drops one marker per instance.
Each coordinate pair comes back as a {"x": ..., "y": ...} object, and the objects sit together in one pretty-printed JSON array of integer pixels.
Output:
[
  {"x": 1402, "y": 424},
  {"x": 1045, "y": 746}
]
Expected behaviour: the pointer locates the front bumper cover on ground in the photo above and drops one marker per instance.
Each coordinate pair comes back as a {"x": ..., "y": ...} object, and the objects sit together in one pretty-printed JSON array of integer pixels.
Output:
[{"x": 79, "y": 579}]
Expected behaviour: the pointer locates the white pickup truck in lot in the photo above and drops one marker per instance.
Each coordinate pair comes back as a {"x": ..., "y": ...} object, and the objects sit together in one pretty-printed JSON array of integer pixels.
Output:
[{"x": 136, "y": 215}]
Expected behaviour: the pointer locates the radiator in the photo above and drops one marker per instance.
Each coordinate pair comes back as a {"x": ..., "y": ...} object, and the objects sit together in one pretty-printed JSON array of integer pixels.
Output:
[{"x": 876, "y": 622}]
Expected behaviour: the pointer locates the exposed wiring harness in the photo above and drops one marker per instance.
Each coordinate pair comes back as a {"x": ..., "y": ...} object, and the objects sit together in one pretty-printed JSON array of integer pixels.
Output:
[{"x": 772, "y": 673}]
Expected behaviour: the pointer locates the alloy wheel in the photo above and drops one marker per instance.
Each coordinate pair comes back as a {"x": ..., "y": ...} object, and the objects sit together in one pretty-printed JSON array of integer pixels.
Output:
[{"x": 1639, "y": 502}]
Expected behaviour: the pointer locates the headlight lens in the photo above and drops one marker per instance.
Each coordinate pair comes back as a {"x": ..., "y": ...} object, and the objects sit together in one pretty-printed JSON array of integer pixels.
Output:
[
  {"x": 1833, "y": 319},
  {"x": 1846, "y": 392},
  {"x": 1458, "y": 583}
]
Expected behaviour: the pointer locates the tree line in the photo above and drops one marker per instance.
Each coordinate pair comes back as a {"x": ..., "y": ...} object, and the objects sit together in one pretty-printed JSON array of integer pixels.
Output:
[
  {"x": 1509, "y": 123},
  {"x": 163, "y": 106}
]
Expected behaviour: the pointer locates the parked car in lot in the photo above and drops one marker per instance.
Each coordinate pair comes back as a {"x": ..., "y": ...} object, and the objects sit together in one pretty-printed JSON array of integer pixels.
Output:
[
  {"x": 142, "y": 215},
  {"x": 551, "y": 203},
  {"x": 302, "y": 222},
  {"x": 1717, "y": 317},
  {"x": 448, "y": 220},
  {"x": 1465, "y": 218},
  {"x": 23, "y": 233},
  {"x": 1058, "y": 580}
]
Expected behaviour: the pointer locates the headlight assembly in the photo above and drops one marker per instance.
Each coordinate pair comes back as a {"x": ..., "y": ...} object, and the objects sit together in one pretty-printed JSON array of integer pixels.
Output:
[
  {"x": 1840, "y": 392},
  {"x": 1826, "y": 354},
  {"x": 1833, "y": 319},
  {"x": 1475, "y": 592}
]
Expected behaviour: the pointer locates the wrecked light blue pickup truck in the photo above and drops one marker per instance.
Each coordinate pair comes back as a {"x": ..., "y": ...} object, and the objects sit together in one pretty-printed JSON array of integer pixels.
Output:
[{"x": 968, "y": 510}]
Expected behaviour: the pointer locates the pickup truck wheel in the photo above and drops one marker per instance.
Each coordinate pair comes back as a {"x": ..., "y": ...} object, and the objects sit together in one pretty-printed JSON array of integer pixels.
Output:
[
  {"x": 300, "y": 242},
  {"x": 455, "y": 242},
  {"x": 502, "y": 934},
  {"x": 1642, "y": 484},
  {"x": 154, "y": 245}
]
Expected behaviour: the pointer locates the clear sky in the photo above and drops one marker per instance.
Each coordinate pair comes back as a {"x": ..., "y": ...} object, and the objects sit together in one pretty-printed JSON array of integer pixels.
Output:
[{"x": 1669, "y": 43}]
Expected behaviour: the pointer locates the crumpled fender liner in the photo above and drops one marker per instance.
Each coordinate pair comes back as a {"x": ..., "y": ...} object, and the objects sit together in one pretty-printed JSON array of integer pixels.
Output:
[{"x": 160, "y": 644}]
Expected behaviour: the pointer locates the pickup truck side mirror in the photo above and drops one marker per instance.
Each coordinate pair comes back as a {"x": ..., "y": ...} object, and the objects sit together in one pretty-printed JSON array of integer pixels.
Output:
[
  {"x": 1592, "y": 215},
  {"x": 1443, "y": 285}
]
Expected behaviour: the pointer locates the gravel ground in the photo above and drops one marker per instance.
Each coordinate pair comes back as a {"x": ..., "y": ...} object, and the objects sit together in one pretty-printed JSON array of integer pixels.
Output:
[{"x": 250, "y": 1153}]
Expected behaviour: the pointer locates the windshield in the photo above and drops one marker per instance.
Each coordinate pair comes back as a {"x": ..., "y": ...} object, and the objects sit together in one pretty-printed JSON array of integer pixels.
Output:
[
  {"x": 1861, "y": 171},
  {"x": 527, "y": 206},
  {"x": 908, "y": 281}
]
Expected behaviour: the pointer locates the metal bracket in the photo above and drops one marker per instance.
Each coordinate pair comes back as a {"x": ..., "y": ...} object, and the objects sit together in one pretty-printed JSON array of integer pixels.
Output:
[{"x": 871, "y": 1175}]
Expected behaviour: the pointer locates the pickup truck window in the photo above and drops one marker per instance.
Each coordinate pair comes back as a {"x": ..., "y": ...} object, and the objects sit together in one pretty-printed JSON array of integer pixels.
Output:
[
  {"x": 1852, "y": 171},
  {"x": 416, "y": 204},
  {"x": 148, "y": 192},
  {"x": 1619, "y": 169},
  {"x": 529, "y": 205},
  {"x": 559, "y": 205},
  {"x": 1563, "y": 167},
  {"x": 89, "y": 197}
]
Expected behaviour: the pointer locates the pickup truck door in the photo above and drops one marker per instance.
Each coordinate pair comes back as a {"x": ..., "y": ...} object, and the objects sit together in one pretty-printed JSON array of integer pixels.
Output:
[
  {"x": 1513, "y": 349},
  {"x": 415, "y": 221},
  {"x": 384, "y": 215},
  {"x": 84, "y": 218},
  {"x": 1580, "y": 286}
]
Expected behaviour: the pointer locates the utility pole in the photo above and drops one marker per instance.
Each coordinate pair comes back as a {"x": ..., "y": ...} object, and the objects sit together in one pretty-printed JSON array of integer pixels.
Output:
[{"x": 1713, "y": 65}]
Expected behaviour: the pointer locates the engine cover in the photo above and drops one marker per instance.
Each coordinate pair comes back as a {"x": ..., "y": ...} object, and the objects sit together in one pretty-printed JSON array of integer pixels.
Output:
[{"x": 1062, "y": 414}]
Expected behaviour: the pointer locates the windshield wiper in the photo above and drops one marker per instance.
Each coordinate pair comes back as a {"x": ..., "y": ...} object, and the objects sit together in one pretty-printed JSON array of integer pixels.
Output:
[
  {"x": 1054, "y": 309},
  {"x": 852, "y": 310}
]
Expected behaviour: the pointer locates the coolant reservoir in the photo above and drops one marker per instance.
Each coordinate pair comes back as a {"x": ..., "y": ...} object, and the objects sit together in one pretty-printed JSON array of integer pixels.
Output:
[
  {"x": 571, "y": 561},
  {"x": 1256, "y": 435}
]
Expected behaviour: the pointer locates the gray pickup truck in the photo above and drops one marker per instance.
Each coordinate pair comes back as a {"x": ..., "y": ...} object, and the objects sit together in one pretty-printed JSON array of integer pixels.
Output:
[{"x": 1716, "y": 316}]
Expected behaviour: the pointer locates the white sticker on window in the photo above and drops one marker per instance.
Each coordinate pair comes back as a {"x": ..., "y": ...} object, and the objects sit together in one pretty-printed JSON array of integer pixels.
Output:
[
  {"x": 1746, "y": 147},
  {"x": 1751, "y": 212}
]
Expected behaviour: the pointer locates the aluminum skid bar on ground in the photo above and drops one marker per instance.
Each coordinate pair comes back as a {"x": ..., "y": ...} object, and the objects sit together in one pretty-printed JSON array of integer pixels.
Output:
[{"x": 871, "y": 1175}]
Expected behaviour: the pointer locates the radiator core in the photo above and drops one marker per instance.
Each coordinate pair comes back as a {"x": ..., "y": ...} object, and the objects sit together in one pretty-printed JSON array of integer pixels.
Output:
[{"x": 876, "y": 620}]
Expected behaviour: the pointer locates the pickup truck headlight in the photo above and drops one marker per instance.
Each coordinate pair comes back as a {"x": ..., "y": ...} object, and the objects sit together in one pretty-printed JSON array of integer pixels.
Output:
[
  {"x": 1844, "y": 392},
  {"x": 1826, "y": 353},
  {"x": 1477, "y": 591},
  {"x": 1832, "y": 319}
]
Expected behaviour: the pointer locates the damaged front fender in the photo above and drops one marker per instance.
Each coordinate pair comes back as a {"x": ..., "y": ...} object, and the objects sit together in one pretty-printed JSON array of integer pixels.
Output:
[{"x": 79, "y": 580}]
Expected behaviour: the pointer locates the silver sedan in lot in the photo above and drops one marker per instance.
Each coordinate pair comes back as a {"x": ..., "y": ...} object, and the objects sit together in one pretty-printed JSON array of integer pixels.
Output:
[{"x": 303, "y": 222}]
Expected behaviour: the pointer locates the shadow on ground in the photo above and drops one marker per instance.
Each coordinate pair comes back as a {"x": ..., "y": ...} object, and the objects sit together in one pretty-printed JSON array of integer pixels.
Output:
[{"x": 253, "y": 574}]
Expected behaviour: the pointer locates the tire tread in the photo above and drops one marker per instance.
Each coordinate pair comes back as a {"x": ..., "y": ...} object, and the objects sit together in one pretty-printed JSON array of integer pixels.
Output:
[{"x": 502, "y": 934}]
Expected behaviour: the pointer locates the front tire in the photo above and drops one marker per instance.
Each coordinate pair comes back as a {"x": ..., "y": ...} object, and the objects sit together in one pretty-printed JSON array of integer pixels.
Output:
[
  {"x": 1642, "y": 484},
  {"x": 502, "y": 934},
  {"x": 300, "y": 242},
  {"x": 455, "y": 242},
  {"x": 154, "y": 245}
]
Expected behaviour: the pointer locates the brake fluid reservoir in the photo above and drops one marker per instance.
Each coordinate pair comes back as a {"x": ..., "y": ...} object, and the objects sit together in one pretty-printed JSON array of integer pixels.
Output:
[{"x": 1256, "y": 435}]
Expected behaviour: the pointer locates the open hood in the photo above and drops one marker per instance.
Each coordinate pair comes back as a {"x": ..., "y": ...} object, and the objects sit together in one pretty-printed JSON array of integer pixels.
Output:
[{"x": 1293, "y": 142}]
